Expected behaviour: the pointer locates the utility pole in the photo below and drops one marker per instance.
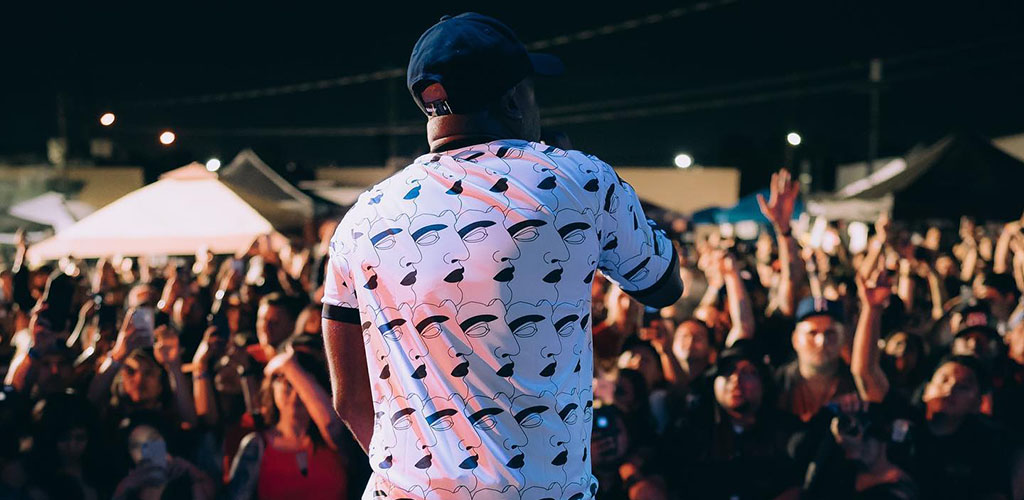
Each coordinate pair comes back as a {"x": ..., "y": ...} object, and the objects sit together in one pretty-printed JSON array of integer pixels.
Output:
[
  {"x": 57, "y": 148},
  {"x": 875, "y": 83}
]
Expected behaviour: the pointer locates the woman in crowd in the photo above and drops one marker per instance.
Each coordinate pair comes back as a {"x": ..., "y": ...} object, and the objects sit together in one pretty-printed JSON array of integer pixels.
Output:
[{"x": 297, "y": 455}]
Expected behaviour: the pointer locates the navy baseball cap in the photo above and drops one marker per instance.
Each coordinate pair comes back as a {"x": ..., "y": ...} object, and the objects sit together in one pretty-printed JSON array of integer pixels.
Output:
[
  {"x": 465, "y": 62},
  {"x": 817, "y": 306}
]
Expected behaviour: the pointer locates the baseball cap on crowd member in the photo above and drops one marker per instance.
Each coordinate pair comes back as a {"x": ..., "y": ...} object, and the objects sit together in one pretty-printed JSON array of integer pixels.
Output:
[
  {"x": 812, "y": 306},
  {"x": 465, "y": 62},
  {"x": 741, "y": 350},
  {"x": 974, "y": 313},
  {"x": 981, "y": 341},
  {"x": 987, "y": 331}
]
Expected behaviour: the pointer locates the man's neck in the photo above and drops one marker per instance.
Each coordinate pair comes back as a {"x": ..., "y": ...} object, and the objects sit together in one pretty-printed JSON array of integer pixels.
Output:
[
  {"x": 943, "y": 424},
  {"x": 743, "y": 419},
  {"x": 454, "y": 131},
  {"x": 694, "y": 367},
  {"x": 458, "y": 142},
  {"x": 818, "y": 374}
]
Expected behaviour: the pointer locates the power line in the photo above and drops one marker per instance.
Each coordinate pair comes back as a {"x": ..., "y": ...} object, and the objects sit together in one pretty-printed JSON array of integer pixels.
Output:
[
  {"x": 728, "y": 87},
  {"x": 630, "y": 24},
  {"x": 294, "y": 88},
  {"x": 416, "y": 128},
  {"x": 386, "y": 74}
]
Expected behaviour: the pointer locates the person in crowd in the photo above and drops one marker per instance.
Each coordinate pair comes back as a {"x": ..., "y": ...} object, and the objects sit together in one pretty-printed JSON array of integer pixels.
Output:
[
  {"x": 904, "y": 361},
  {"x": 818, "y": 375},
  {"x": 67, "y": 451},
  {"x": 275, "y": 320},
  {"x": 157, "y": 474},
  {"x": 734, "y": 431},
  {"x": 854, "y": 462},
  {"x": 297, "y": 455},
  {"x": 953, "y": 451}
]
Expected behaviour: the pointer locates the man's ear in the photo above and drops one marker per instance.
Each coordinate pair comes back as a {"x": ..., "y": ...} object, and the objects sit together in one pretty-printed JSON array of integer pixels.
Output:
[{"x": 508, "y": 104}]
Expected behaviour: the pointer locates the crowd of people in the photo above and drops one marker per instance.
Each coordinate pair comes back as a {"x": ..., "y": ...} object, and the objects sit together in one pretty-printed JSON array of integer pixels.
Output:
[{"x": 786, "y": 370}]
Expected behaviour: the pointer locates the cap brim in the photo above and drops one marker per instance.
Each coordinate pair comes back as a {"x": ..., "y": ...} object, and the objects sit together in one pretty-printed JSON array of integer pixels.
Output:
[
  {"x": 987, "y": 331},
  {"x": 546, "y": 64}
]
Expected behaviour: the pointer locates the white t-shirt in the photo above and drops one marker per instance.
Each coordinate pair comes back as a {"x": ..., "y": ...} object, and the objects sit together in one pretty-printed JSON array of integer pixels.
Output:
[{"x": 470, "y": 272}]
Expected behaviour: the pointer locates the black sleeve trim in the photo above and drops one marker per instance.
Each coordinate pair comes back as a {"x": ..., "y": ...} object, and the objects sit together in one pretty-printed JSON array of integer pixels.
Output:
[
  {"x": 342, "y": 314},
  {"x": 664, "y": 292}
]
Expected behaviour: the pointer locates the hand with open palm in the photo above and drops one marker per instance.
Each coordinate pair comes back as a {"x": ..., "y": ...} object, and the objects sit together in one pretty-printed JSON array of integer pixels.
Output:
[{"x": 778, "y": 209}]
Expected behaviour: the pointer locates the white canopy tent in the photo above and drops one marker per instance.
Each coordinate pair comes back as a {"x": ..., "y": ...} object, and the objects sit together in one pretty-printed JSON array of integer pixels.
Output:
[
  {"x": 186, "y": 210},
  {"x": 51, "y": 209}
]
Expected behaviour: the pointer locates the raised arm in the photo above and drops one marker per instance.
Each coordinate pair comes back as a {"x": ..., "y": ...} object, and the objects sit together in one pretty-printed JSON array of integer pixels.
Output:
[
  {"x": 906, "y": 285},
  {"x": 1002, "y": 259},
  {"x": 99, "y": 387},
  {"x": 167, "y": 351},
  {"x": 876, "y": 247},
  {"x": 317, "y": 402},
  {"x": 740, "y": 310},
  {"x": 937, "y": 292},
  {"x": 778, "y": 209},
  {"x": 873, "y": 293},
  {"x": 203, "y": 391},
  {"x": 350, "y": 381}
]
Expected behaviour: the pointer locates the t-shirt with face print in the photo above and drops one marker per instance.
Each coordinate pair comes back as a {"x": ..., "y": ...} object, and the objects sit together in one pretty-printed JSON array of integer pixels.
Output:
[{"x": 469, "y": 272}]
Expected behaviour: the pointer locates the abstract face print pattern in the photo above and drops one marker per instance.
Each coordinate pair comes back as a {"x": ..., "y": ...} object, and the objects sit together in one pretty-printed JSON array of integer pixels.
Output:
[{"x": 470, "y": 271}]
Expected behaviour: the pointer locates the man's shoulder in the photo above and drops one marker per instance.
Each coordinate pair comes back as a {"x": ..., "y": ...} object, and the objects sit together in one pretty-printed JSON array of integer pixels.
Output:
[{"x": 787, "y": 373}]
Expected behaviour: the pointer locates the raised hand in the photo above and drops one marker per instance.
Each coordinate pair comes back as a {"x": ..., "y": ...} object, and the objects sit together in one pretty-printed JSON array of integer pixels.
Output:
[
  {"x": 126, "y": 338},
  {"x": 874, "y": 291},
  {"x": 279, "y": 362},
  {"x": 212, "y": 347},
  {"x": 779, "y": 207},
  {"x": 167, "y": 348},
  {"x": 883, "y": 226}
]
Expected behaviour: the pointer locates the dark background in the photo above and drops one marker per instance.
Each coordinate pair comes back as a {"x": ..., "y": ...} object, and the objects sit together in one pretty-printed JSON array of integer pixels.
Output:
[{"x": 947, "y": 67}]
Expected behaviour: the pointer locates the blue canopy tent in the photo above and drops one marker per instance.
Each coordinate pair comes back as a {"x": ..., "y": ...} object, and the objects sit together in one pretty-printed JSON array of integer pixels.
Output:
[
  {"x": 747, "y": 209},
  {"x": 705, "y": 216}
]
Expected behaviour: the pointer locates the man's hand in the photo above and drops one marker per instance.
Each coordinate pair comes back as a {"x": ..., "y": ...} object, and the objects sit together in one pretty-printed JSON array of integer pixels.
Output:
[
  {"x": 43, "y": 336},
  {"x": 779, "y": 207},
  {"x": 279, "y": 362},
  {"x": 126, "y": 338},
  {"x": 967, "y": 229},
  {"x": 659, "y": 335},
  {"x": 210, "y": 348},
  {"x": 167, "y": 348},
  {"x": 20, "y": 241},
  {"x": 883, "y": 227},
  {"x": 875, "y": 291}
]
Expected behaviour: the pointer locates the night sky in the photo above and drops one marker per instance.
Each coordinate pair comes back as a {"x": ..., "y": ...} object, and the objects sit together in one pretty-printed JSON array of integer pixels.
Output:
[{"x": 738, "y": 75}]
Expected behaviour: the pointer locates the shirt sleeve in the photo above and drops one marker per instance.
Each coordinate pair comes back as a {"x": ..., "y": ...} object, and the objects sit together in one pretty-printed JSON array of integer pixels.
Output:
[
  {"x": 635, "y": 254},
  {"x": 340, "y": 303}
]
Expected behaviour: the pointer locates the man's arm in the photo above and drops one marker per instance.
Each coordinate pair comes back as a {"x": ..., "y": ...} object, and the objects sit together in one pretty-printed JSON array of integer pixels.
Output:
[
  {"x": 778, "y": 209},
  {"x": 874, "y": 294},
  {"x": 635, "y": 254},
  {"x": 350, "y": 381},
  {"x": 740, "y": 311}
]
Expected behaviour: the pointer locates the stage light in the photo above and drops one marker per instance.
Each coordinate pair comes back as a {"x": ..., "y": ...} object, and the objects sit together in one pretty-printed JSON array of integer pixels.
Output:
[
  {"x": 167, "y": 138},
  {"x": 107, "y": 119},
  {"x": 794, "y": 139},
  {"x": 213, "y": 164},
  {"x": 683, "y": 160}
]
